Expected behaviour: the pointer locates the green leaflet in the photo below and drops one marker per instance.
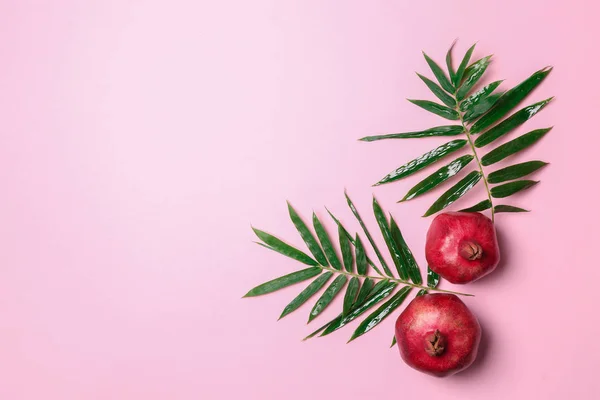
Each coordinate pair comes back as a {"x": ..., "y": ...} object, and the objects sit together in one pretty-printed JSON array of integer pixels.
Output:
[
  {"x": 463, "y": 65},
  {"x": 421, "y": 162},
  {"x": 361, "y": 257},
  {"x": 437, "y": 109},
  {"x": 514, "y": 146},
  {"x": 327, "y": 296},
  {"x": 421, "y": 292},
  {"x": 454, "y": 193},
  {"x": 389, "y": 241},
  {"x": 350, "y": 295},
  {"x": 368, "y": 235},
  {"x": 449, "y": 64},
  {"x": 433, "y": 279},
  {"x": 346, "y": 250},
  {"x": 472, "y": 75},
  {"x": 438, "y": 177},
  {"x": 439, "y": 74},
  {"x": 515, "y": 171},
  {"x": 408, "y": 259},
  {"x": 481, "y": 107},
  {"x": 511, "y": 188},
  {"x": 510, "y": 99},
  {"x": 277, "y": 245},
  {"x": 381, "y": 313},
  {"x": 478, "y": 96},
  {"x": 481, "y": 206},
  {"x": 307, "y": 236},
  {"x": 377, "y": 294},
  {"x": 510, "y": 123},
  {"x": 504, "y": 208},
  {"x": 326, "y": 243},
  {"x": 394, "y": 337},
  {"x": 284, "y": 281},
  {"x": 438, "y": 91},
  {"x": 306, "y": 294},
  {"x": 365, "y": 290},
  {"x": 445, "y": 130}
]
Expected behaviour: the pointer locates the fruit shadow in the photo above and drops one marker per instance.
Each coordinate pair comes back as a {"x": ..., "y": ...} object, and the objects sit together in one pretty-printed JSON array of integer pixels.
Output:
[{"x": 482, "y": 359}]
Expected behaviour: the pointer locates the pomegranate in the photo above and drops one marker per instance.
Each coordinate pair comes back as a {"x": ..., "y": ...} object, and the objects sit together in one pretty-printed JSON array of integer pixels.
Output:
[
  {"x": 437, "y": 334},
  {"x": 462, "y": 246}
]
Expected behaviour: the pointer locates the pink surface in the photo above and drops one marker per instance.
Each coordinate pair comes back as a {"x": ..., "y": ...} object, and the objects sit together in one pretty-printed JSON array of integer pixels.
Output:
[{"x": 141, "y": 138}]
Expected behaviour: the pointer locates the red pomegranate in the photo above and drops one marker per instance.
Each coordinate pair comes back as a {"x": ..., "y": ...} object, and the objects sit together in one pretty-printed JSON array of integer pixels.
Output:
[
  {"x": 437, "y": 334},
  {"x": 462, "y": 246}
]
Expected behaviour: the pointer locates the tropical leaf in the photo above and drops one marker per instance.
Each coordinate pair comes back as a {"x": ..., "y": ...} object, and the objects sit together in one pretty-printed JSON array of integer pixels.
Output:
[
  {"x": 327, "y": 297},
  {"x": 478, "y": 96},
  {"x": 346, "y": 250},
  {"x": 423, "y": 161},
  {"x": 511, "y": 188},
  {"x": 350, "y": 296},
  {"x": 449, "y": 64},
  {"x": 326, "y": 243},
  {"x": 463, "y": 65},
  {"x": 389, "y": 241},
  {"x": 504, "y": 208},
  {"x": 307, "y": 236},
  {"x": 439, "y": 74},
  {"x": 394, "y": 337},
  {"x": 438, "y": 109},
  {"x": 279, "y": 246},
  {"x": 515, "y": 171},
  {"x": 481, "y": 107},
  {"x": 433, "y": 279},
  {"x": 438, "y": 91},
  {"x": 514, "y": 146},
  {"x": 445, "y": 130},
  {"x": 472, "y": 75},
  {"x": 454, "y": 193},
  {"x": 510, "y": 123},
  {"x": 306, "y": 294},
  {"x": 361, "y": 257},
  {"x": 284, "y": 281},
  {"x": 481, "y": 206},
  {"x": 438, "y": 177},
  {"x": 407, "y": 256},
  {"x": 510, "y": 99}
]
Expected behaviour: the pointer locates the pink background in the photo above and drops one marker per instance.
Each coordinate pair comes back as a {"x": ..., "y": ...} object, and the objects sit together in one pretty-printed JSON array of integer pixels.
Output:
[{"x": 140, "y": 139}]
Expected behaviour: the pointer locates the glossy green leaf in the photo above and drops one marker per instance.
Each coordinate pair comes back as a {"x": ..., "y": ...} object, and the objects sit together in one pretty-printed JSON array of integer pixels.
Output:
[
  {"x": 283, "y": 248},
  {"x": 326, "y": 243},
  {"x": 407, "y": 256},
  {"x": 505, "y": 208},
  {"x": 478, "y": 96},
  {"x": 421, "y": 292},
  {"x": 433, "y": 279},
  {"x": 439, "y": 74},
  {"x": 346, "y": 250},
  {"x": 438, "y": 177},
  {"x": 511, "y": 188},
  {"x": 339, "y": 224},
  {"x": 327, "y": 297},
  {"x": 389, "y": 241},
  {"x": 334, "y": 321},
  {"x": 394, "y": 337},
  {"x": 510, "y": 99},
  {"x": 481, "y": 107},
  {"x": 445, "y": 130},
  {"x": 373, "y": 319},
  {"x": 423, "y": 161},
  {"x": 454, "y": 193},
  {"x": 361, "y": 257},
  {"x": 366, "y": 289},
  {"x": 307, "y": 236},
  {"x": 463, "y": 65},
  {"x": 510, "y": 123},
  {"x": 514, "y": 146},
  {"x": 368, "y": 235},
  {"x": 438, "y": 91},
  {"x": 350, "y": 295},
  {"x": 284, "y": 281},
  {"x": 472, "y": 75},
  {"x": 377, "y": 294},
  {"x": 449, "y": 64},
  {"x": 437, "y": 109},
  {"x": 515, "y": 171},
  {"x": 481, "y": 206},
  {"x": 306, "y": 294}
]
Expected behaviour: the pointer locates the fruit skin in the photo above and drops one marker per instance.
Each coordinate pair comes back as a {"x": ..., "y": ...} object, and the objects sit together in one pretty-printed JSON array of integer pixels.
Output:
[
  {"x": 462, "y": 246},
  {"x": 458, "y": 332}
]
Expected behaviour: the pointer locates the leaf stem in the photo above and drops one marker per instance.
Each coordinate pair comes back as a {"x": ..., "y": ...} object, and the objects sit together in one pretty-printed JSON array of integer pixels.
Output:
[
  {"x": 472, "y": 145},
  {"x": 392, "y": 279}
]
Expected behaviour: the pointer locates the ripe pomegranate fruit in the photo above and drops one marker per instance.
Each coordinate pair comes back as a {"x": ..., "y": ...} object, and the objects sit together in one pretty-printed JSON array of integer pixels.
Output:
[
  {"x": 437, "y": 334},
  {"x": 462, "y": 246}
]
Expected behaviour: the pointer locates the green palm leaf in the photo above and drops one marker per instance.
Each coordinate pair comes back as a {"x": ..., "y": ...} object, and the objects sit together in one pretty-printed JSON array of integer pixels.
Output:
[
  {"x": 284, "y": 281},
  {"x": 439, "y": 74},
  {"x": 515, "y": 171},
  {"x": 472, "y": 75},
  {"x": 361, "y": 257},
  {"x": 454, "y": 193},
  {"x": 483, "y": 106},
  {"x": 449, "y": 64},
  {"x": 433, "y": 279},
  {"x": 326, "y": 243},
  {"x": 389, "y": 241},
  {"x": 438, "y": 91},
  {"x": 463, "y": 65},
  {"x": 478, "y": 96},
  {"x": 328, "y": 296},
  {"x": 346, "y": 250},
  {"x": 445, "y": 130},
  {"x": 279, "y": 246},
  {"x": 437, "y": 109},
  {"x": 307, "y": 236},
  {"x": 306, "y": 294},
  {"x": 481, "y": 206},
  {"x": 350, "y": 296},
  {"x": 407, "y": 256},
  {"x": 514, "y": 146},
  {"x": 504, "y": 208},
  {"x": 511, "y": 188}
]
